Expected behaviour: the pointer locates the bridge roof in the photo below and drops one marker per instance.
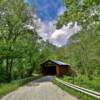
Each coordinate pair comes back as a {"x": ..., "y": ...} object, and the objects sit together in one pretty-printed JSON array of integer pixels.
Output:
[{"x": 55, "y": 62}]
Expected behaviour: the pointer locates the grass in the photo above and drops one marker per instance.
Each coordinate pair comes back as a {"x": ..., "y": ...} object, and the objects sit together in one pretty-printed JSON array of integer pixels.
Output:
[
  {"x": 9, "y": 87},
  {"x": 75, "y": 93},
  {"x": 83, "y": 81}
]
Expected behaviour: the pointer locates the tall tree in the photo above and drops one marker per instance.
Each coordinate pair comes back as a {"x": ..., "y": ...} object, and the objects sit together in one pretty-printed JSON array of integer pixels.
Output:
[
  {"x": 16, "y": 39},
  {"x": 86, "y": 14}
]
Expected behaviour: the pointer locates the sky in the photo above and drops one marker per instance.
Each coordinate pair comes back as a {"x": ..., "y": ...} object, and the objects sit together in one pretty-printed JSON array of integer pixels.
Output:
[{"x": 47, "y": 12}]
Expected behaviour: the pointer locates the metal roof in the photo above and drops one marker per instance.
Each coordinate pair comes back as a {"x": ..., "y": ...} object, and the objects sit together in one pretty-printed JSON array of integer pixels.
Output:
[
  {"x": 59, "y": 62},
  {"x": 56, "y": 62}
]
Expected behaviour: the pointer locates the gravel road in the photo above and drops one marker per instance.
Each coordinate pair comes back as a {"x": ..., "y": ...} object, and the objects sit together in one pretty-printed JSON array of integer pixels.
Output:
[{"x": 41, "y": 89}]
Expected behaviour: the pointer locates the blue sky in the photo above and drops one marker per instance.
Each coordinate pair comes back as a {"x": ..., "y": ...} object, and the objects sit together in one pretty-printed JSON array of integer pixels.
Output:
[{"x": 47, "y": 10}]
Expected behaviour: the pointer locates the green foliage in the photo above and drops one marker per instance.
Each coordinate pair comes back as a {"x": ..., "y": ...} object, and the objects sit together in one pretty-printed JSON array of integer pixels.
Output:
[
  {"x": 21, "y": 50},
  {"x": 7, "y": 88},
  {"x": 79, "y": 95},
  {"x": 83, "y": 50},
  {"x": 17, "y": 42},
  {"x": 83, "y": 81}
]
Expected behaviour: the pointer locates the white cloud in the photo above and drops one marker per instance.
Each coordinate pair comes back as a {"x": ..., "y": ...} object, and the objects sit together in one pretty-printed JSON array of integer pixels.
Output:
[
  {"x": 58, "y": 37},
  {"x": 61, "y": 37},
  {"x": 45, "y": 30}
]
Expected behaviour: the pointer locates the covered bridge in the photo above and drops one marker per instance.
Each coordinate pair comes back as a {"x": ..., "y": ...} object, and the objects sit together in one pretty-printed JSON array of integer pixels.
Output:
[{"x": 53, "y": 67}]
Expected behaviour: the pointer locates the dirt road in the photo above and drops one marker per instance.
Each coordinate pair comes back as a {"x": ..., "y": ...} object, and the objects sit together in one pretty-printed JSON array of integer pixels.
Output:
[{"x": 42, "y": 89}]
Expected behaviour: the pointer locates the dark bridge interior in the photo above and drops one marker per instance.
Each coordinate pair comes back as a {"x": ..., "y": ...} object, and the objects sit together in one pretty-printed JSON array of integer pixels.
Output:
[
  {"x": 52, "y": 67},
  {"x": 51, "y": 70}
]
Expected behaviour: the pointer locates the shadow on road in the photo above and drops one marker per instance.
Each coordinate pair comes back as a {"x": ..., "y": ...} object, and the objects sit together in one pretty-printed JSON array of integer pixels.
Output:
[{"x": 41, "y": 80}]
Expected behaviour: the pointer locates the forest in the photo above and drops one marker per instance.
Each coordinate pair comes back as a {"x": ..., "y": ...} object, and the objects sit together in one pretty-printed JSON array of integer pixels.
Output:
[{"x": 22, "y": 50}]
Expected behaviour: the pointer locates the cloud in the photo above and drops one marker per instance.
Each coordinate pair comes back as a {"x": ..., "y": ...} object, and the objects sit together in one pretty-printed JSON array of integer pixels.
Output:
[
  {"x": 61, "y": 37},
  {"x": 46, "y": 29},
  {"x": 48, "y": 15},
  {"x": 58, "y": 37}
]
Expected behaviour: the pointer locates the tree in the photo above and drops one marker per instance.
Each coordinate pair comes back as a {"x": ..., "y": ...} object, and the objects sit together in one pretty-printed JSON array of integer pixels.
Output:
[
  {"x": 86, "y": 14},
  {"x": 16, "y": 40}
]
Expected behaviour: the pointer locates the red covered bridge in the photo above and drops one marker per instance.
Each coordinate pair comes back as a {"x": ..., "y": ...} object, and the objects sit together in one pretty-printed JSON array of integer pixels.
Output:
[{"x": 53, "y": 67}]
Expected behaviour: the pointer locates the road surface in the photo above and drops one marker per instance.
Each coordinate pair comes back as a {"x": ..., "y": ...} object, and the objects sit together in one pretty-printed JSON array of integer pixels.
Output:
[{"x": 42, "y": 89}]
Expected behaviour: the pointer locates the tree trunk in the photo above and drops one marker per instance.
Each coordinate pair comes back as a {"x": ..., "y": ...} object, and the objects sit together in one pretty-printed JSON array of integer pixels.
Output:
[{"x": 9, "y": 66}]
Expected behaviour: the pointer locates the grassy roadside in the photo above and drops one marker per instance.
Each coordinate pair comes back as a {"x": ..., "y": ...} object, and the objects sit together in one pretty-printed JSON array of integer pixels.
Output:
[
  {"x": 83, "y": 81},
  {"x": 79, "y": 95},
  {"x": 9, "y": 87}
]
